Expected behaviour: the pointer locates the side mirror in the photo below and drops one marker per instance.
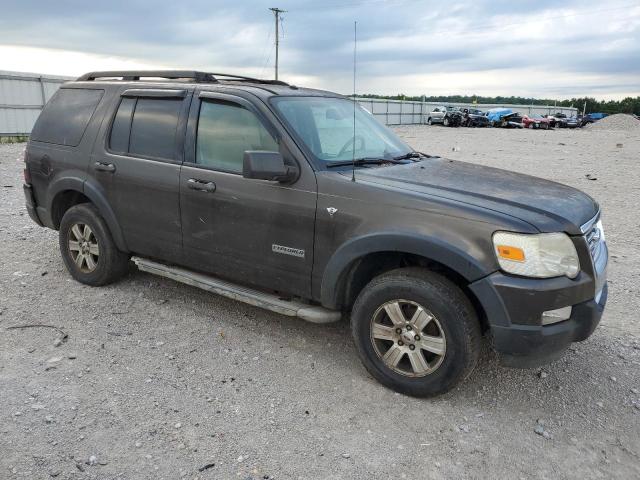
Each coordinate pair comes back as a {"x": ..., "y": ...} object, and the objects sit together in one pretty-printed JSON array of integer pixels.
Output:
[{"x": 262, "y": 165}]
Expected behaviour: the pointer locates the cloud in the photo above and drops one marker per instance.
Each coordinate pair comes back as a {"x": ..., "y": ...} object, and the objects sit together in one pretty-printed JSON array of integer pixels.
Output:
[{"x": 537, "y": 48}]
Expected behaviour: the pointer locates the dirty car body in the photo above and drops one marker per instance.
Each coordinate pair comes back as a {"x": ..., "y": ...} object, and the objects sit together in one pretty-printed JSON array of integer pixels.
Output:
[{"x": 254, "y": 183}]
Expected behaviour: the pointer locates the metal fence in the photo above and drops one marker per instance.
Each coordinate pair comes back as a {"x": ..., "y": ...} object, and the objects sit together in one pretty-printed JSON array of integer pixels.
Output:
[
  {"x": 403, "y": 112},
  {"x": 22, "y": 96}
]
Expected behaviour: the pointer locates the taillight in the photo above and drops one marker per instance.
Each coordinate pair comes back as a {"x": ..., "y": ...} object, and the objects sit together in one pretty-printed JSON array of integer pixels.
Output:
[{"x": 27, "y": 174}]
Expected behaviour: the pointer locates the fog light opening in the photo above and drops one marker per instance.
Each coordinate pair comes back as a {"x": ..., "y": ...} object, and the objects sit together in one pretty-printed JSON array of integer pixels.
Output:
[{"x": 557, "y": 315}]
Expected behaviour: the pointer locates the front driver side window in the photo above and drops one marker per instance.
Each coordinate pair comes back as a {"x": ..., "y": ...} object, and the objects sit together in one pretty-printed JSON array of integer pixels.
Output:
[{"x": 225, "y": 131}]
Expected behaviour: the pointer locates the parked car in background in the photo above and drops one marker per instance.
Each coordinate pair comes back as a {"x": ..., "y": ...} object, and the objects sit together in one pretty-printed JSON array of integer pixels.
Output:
[
  {"x": 447, "y": 116},
  {"x": 535, "y": 120},
  {"x": 558, "y": 120},
  {"x": 572, "y": 122},
  {"x": 504, "y": 118},
  {"x": 472, "y": 117},
  {"x": 594, "y": 117}
]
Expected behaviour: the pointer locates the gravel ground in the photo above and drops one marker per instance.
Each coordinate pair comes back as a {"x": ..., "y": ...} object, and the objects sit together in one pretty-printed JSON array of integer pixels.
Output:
[{"x": 158, "y": 380}]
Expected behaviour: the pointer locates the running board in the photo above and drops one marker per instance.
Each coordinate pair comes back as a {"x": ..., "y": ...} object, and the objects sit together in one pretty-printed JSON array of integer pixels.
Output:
[{"x": 291, "y": 308}]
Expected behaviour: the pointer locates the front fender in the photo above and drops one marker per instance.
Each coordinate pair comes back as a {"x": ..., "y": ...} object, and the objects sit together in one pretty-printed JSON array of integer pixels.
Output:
[{"x": 428, "y": 247}]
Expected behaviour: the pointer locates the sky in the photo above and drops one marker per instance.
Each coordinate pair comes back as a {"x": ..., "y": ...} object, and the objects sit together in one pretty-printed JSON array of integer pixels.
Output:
[{"x": 543, "y": 48}]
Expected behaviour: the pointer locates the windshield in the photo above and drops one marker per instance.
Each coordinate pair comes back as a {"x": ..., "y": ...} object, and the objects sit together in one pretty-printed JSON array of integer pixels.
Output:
[{"x": 325, "y": 125}]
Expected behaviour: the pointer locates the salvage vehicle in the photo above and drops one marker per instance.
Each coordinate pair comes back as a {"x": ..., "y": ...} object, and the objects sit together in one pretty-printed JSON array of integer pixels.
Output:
[
  {"x": 472, "y": 117},
  {"x": 535, "y": 120},
  {"x": 504, "y": 118},
  {"x": 557, "y": 120},
  {"x": 572, "y": 122},
  {"x": 300, "y": 202},
  {"x": 448, "y": 116}
]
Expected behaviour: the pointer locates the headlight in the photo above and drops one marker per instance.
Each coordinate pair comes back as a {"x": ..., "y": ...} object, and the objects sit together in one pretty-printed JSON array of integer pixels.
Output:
[{"x": 542, "y": 255}]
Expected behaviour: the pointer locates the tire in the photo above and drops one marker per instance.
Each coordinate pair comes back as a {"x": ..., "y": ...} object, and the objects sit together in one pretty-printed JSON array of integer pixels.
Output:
[
  {"x": 445, "y": 121},
  {"x": 102, "y": 262},
  {"x": 545, "y": 126},
  {"x": 429, "y": 121},
  {"x": 531, "y": 125},
  {"x": 450, "y": 324}
]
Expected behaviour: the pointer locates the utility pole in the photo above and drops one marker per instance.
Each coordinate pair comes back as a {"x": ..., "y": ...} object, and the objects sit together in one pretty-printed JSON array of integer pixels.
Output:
[{"x": 276, "y": 13}]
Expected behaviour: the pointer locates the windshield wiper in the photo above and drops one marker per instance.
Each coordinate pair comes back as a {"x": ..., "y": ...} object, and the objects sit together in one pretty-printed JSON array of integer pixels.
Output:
[
  {"x": 412, "y": 155},
  {"x": 363, "y": 161}
]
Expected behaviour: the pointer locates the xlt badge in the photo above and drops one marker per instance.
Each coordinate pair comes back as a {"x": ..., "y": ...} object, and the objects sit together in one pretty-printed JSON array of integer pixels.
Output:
[{"x": 296, "y": 252}]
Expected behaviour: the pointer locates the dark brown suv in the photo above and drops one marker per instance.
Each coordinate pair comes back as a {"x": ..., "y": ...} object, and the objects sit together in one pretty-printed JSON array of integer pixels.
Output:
[{"x": 299, "y": 201}]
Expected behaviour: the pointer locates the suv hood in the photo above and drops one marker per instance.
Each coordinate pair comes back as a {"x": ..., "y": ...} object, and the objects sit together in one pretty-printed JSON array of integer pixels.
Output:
[{"x": 547, "y": 205}]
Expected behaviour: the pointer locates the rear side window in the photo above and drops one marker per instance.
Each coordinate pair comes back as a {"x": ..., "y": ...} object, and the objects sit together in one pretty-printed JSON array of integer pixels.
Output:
[
  {"x": 225, "y": 131},
  {"x": 146, "y": 127},
  {"x": 119, "y": 140},
  {"x": 65, "y": 118}
]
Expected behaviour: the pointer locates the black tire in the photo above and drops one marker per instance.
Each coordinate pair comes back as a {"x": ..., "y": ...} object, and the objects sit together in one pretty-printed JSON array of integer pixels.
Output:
[
  {"x": 109, "y": 265},
  {"x": 445, "y": 121},
  {"x": 429, "y": 121},
  {"x": 454, "y": 314}
]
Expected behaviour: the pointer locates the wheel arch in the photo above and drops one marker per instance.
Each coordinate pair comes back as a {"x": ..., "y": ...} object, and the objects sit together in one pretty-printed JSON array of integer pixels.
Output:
[
  {"x": 355, "y": 263},
  {"x": 69, "y": 192}
]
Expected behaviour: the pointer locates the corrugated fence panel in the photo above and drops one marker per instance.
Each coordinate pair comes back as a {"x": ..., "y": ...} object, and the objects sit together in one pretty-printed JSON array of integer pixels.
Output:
[
  {"x": 22, "y": 96},
  {"x": 399, "y": 112}
]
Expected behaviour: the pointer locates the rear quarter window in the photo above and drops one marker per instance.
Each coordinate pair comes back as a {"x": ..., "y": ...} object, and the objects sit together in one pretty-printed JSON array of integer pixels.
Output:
[{"x": 64, "y": 119}]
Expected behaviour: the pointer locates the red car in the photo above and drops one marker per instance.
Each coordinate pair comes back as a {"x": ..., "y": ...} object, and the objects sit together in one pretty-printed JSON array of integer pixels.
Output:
[{"x": 536, "y": 121}]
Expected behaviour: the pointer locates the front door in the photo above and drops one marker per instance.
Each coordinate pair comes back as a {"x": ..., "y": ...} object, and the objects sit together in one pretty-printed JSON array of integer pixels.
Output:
[{"x": 254, "y": 232}]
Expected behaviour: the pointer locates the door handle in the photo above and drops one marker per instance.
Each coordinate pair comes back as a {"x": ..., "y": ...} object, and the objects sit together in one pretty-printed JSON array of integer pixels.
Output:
[
  {"x": 104, "y": 167},
  {"x": 201, "y": 185}
]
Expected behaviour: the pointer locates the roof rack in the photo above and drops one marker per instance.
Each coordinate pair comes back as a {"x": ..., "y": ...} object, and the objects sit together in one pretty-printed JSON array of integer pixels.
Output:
[{"x": 199, "y": 77}]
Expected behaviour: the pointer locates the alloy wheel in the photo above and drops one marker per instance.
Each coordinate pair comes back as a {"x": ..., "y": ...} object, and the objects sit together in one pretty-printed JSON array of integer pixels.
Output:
[
  {"x": 83, "y": 247},
  {"x": 408, "y": 338}
]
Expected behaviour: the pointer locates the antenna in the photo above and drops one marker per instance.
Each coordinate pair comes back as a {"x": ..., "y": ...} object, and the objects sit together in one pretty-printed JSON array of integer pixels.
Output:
[{"x": 353, "y": 148}]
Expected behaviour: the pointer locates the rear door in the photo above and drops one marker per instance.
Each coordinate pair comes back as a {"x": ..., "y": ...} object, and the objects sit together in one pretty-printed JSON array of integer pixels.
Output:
[
  {"x": 138, "y": 168},
  {"x": 251, "y": 231}
]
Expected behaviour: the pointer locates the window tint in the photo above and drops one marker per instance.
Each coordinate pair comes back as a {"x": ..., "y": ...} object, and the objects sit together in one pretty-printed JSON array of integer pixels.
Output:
[
  {"x": 225, "y": 132},
  {"x": 66, "y": 116},
  {"x": 154, "y": 127},
  {"x": 119, "y": 140}
]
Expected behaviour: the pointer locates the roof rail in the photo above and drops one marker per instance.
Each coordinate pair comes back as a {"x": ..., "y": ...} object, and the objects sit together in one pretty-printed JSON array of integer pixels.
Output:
[{"x": 199, "y": 77}]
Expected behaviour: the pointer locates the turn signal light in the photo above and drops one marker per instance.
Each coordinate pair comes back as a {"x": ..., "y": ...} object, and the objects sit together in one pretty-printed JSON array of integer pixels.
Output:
[{"x": 510, "y": 253}]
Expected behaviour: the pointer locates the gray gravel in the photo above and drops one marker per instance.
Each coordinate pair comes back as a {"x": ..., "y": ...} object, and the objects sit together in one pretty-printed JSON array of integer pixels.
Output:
[{"x": 159, "y": 380}]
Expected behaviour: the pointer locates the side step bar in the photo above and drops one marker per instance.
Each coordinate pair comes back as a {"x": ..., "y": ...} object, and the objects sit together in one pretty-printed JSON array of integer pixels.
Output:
[{"x": 291, "y": 308}]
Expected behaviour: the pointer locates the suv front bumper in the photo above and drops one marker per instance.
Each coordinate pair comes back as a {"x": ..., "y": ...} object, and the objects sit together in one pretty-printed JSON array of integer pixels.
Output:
[{"x": 514, "y": 308}]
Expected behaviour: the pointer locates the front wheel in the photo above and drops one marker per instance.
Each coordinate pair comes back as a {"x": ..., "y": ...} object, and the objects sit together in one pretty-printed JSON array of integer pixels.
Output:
[
  {"x": 429, "y": 121},
  {"x": 87, "y": 248},
  {"x": 416, "y": 332},
  {"x": 445, "y": 122}
]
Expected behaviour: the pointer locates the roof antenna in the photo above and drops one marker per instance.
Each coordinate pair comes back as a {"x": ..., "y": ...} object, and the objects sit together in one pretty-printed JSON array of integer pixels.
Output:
[{"x": 353, "y": 150}]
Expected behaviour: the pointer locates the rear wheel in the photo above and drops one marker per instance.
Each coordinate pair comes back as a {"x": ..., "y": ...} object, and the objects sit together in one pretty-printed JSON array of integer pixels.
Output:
[
  {"x": 532, "y": 125},
  {"x": 87, "y": 248},
  {"x": 416, "y": 332},
  {"x": 445, "y": 122},
  {"x": 429, "y": 121}
]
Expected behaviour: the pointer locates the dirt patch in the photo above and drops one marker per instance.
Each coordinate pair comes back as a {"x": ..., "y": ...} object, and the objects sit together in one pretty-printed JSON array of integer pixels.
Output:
[
  {"x": 619, "y": 122},
  {"x": 157, "y": 380}
]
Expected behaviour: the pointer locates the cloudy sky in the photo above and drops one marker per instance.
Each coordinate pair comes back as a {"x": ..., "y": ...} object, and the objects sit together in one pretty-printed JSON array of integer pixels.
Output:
[{"x": 542, "y": 48}]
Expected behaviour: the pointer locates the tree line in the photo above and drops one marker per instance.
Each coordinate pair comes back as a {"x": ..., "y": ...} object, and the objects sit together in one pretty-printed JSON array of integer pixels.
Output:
[{"x": 626, "y": 105}]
